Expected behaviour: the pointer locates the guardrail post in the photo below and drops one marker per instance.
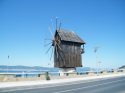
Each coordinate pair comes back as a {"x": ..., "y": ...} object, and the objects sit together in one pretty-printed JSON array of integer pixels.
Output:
[{"x": 47, "y": 76}]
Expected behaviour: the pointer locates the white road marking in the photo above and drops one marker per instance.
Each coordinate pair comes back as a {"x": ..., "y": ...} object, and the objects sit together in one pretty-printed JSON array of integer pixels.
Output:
[{"x": 88, "y": 86}]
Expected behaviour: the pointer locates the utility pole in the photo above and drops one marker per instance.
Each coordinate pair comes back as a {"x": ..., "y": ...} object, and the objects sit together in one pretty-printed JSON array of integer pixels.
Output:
[
  {"x": 8, "y": 63},
  {"x": 97, "y": 62},
  {"x": 98, "y": 66}
]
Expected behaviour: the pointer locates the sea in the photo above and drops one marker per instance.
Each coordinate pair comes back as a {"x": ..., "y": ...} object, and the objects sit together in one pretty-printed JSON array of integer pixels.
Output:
[
  {"x": 27, "y": 72},
  {"x": 31, "y": 72}
]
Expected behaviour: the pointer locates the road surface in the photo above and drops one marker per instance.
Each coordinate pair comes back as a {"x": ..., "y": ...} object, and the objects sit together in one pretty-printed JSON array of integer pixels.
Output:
[{"x": 107, "y": 85}]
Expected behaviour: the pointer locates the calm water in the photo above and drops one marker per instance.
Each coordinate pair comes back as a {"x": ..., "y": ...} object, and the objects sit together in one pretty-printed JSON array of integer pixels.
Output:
[
  {"x": 35, "y": 73},
  {"x": 28, "y": 73}
]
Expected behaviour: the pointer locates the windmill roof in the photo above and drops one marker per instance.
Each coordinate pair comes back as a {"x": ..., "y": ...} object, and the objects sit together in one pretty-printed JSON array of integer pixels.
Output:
[{"x": 70, "y": 36}]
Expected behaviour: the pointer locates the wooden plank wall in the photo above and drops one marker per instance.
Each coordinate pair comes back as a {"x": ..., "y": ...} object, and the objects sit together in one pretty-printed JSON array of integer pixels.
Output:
[{"x": 69, "y": 56}]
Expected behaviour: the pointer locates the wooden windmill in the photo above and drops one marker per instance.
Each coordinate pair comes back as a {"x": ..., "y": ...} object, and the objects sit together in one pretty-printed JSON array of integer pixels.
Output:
[{"x": 67, "y": 50}]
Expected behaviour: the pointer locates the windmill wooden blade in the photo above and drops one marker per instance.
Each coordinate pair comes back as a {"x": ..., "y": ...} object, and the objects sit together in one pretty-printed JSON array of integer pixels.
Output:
[
  {"x": 51, "y": 54},
  {"x": 48, "y": 49},
  {"x": 58, "y": 46},
  {"x": 47, "y": 41},
  {"x": 58, "y": 43},
  {"x": 52, "y": 24},
  {"x": 61, "y": 56},
  {"x": 56, "y": 51},
  {"x": 47, "y": 44},
  {"x": 59, "y": 25},
  {"x": 51, "y": 33}
]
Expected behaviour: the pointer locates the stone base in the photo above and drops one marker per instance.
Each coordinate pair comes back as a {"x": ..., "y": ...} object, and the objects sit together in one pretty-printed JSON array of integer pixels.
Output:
[{"x": 66, "y": 71}]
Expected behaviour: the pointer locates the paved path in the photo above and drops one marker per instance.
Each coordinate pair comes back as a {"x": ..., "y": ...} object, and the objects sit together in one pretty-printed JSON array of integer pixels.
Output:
[
  {"x": 97, "y": 85},
  {"x": 110, "y": 85}
]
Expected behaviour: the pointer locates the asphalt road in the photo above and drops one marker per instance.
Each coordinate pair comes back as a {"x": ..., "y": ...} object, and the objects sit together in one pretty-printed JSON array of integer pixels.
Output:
[{"x": 108, "y": 85}]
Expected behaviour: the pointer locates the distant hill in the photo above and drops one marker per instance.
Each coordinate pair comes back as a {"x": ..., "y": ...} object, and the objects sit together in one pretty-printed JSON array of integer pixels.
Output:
[
  {"x": 25, "y": 68},
  {"x": 122, "y": 67},
  {"x": 19, "y": 67}
]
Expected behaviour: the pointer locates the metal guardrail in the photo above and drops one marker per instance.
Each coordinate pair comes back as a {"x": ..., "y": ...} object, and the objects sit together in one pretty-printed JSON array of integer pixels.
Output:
[{"x": 26, "y": 74}]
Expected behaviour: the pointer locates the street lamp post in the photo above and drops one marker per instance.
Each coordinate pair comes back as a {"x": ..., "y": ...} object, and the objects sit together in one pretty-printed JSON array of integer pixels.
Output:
[
  {"x": 8, "y": 63},
  {"x": 97, "y": 62},
  {"x": 98, "y": 67}
]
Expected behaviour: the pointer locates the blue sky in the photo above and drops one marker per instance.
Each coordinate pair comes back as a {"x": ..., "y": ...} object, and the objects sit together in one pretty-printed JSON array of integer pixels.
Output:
[{"x": 24, "y": 26}]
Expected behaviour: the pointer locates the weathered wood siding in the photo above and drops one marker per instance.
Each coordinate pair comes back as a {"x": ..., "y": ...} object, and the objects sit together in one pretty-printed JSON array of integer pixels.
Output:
[
  {"x": 67, "y": 52},
  {"x": 68, "y": 56}
]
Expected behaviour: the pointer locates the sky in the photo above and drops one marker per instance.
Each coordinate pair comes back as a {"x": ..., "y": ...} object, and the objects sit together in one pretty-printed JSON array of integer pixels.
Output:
[{"x": 24, "y": 28}]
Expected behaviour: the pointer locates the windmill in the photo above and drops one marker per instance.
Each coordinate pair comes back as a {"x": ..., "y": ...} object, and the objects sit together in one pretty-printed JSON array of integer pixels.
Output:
[{"x": 66, "y": 48}]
